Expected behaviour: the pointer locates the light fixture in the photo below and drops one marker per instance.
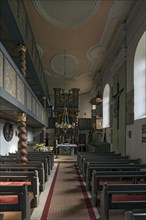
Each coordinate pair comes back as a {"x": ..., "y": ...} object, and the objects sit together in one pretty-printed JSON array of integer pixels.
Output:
[
  {"x": 96, "y": 100},
  {"x": 65, "y": 125}
]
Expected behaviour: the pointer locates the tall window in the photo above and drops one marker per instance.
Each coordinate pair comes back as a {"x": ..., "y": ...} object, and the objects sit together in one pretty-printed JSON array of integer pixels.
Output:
[
  {"x": 140, "y": 79},
  {"x": 106, "y": 106}
]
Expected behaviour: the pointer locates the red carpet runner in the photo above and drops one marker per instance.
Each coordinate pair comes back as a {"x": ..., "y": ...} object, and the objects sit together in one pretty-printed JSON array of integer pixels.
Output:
[{"x": 67, "y": 199}]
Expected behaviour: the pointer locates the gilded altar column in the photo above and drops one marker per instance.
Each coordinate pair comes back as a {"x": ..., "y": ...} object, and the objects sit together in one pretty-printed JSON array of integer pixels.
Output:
[
  {"x": 22, "y": 55},
  {"x": 22, "y": 135}
]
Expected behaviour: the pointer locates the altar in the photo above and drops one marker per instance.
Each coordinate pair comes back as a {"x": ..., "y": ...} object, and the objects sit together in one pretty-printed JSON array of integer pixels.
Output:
[{"x": 66, "y": 149}]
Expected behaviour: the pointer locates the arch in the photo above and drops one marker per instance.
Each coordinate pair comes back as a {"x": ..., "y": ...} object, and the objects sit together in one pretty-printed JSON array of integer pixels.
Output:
[
  {"x": 106, "y": 106},
  {"x": 140, "y": 79}
]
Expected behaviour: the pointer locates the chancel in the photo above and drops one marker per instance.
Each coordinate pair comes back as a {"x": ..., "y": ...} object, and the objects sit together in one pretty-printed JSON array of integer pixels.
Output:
[{"x": 72, "y": 110}]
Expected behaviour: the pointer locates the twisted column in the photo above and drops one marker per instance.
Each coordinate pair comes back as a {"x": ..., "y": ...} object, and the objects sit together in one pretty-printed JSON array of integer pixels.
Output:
[
  {"x": 44, "y": 135},
  {"x": 22, "y": 55},
  {"x": 22, "y": 135}
]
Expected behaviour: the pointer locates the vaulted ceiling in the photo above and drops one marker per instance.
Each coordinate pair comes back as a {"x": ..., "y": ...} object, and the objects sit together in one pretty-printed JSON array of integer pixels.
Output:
[{"x": 73, "y": 38}]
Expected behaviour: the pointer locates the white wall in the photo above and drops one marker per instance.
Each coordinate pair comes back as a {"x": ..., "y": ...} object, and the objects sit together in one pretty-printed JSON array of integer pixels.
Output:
[
  {"x": 136, "y": 27},
  {"x": 11, "y": 146},
  {"x": 135, "y": 147},
  {"x": 85, "y": 106}
]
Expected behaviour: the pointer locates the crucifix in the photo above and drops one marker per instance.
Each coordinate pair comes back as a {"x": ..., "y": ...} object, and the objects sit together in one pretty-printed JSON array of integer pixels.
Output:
[{"x": 116, "y": 99}]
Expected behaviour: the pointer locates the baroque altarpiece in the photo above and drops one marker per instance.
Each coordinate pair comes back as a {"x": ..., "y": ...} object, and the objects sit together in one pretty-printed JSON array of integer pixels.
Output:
[{"x": 66, "y": 109}]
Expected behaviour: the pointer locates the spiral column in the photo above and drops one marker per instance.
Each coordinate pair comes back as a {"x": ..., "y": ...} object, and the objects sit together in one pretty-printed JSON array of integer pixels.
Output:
[
  {"x": 22, "y": 55},
  {"x": 22, "y": 135}
]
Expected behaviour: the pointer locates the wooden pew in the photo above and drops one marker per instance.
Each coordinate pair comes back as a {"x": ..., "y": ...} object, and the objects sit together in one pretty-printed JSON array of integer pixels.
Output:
[
  {"x": 129, "y": 215},
  {"x": 98, "y": 179},
  {"x": 25, "y": 167},
  {"x": 8, "y": 160},
  {"x": 98, "y": 158},
  {"x": 22, "y": 198},
  {"x": 81, "y": 155},
  {"x": 48, "y": 155},
  {"x": 32, "y": 159},
  {"x": 26, "y": 177},
  {"x": 107, "y": 161},
  {"x": 110, "y": 167},
  {"x": 129, "y": 197}
]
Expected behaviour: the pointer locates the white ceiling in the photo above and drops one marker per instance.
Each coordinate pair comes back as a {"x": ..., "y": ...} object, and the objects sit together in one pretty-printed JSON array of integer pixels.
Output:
[{"x": 73, "y": 38}]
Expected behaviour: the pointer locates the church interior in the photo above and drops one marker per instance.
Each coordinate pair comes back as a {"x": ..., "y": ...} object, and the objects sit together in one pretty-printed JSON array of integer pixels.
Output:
[{"x": 72, "y": 109}]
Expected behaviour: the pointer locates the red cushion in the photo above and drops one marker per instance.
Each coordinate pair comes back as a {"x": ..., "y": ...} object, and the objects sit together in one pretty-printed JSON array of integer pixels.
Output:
[
  {"x": 8, "y": 199},
  {"x": 15, "y": 183},
  {"x": 119, "y": 198}
]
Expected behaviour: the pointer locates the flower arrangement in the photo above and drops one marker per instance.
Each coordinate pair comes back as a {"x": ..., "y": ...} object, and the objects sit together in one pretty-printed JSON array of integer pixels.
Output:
[{"x": 40, "y": 145}]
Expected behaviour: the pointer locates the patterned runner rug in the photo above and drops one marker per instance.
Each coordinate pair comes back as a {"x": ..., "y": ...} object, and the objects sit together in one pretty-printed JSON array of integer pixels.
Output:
[{"x": 67, "y": 199}]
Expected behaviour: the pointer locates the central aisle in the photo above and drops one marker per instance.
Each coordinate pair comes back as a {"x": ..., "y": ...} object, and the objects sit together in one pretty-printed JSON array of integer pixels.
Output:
[{"x": 67, "y": 199}]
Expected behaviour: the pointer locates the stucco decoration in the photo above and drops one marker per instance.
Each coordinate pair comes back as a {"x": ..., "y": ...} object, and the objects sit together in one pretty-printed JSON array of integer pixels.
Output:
[
  {"x": 62, "y": 63},
  {"x": 98, "y": 52},
  {"x": 66, "y": 13}
]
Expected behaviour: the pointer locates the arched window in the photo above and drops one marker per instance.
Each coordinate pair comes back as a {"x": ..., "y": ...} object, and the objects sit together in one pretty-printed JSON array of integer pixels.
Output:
[
  {"x": 106, "y": 106},
  {"x": 140, "y": 79}
]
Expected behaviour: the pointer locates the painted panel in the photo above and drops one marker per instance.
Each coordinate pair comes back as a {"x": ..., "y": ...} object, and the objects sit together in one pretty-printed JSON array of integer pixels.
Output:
[
  {"x": 29, "y": 100},
  {"x": 20, "y": 90},
  {"x": 33, "y": 105},
  {"x": 1, "y": 68},
  {"x": 10, "y": 79}
]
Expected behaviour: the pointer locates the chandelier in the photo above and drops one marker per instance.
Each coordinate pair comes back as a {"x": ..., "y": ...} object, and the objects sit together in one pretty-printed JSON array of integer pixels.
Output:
[{"x": 64, "y": 124}]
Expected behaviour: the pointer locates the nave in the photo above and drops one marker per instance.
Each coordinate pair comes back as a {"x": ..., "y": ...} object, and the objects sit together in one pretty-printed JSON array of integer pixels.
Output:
[{"x": 65, "y": 196}]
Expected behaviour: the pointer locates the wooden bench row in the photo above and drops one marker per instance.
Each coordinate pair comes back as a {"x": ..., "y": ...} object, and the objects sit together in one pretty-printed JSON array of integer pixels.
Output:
[
  {"x": 34, "y": 174},
  {"x": 128, "y": 197},
  {"x": 20, "y": 200},
  {"x": 99, "y": 171}
]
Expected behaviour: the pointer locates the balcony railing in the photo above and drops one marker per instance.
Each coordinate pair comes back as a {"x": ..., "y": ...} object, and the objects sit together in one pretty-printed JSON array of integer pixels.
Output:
[{"x": 15, "y": 89}]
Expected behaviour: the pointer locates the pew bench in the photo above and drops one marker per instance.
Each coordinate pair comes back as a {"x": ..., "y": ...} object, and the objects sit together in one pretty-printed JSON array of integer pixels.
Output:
[
  {"x": 50, "y": 155},
  {"x": 110, "y": 167},
  {"x": 98, "y": 159},
  {"x": 26, "y": 177},
  {"x": 10, "y": 161},
  {"x": 98, "y": 180},
  {"x": 122, "y": 197},
  {"x": 18, "y": 199},
  {"x": 23, "y": 168},
  {"x": 129, "y": 215},
  {"x": 107, "y": 162},
  {"x": 81, "y": 155},
  {"x": 36, "y": 156}
]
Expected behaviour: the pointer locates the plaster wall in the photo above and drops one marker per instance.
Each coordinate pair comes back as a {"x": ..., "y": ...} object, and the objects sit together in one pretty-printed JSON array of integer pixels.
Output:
[{"x": 11, "y": 146}]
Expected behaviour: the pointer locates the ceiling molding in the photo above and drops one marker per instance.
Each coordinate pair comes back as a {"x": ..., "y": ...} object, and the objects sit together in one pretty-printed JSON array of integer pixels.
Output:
[
  {"x": 66, "y": 13},
  {"x": 97, "y": 53},
  {"x": 65, "y": 64}
]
